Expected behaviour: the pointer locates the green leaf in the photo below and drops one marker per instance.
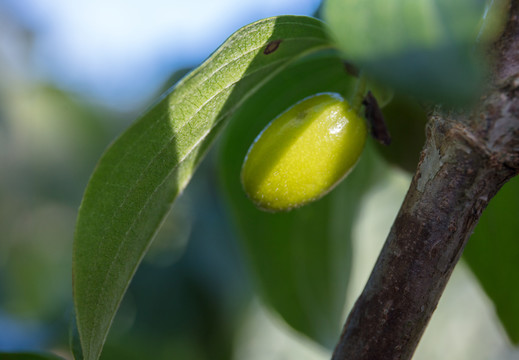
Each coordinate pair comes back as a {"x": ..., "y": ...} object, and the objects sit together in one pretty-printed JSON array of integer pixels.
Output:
[
  {"x": 143, "y": 171},
  {"x": 301, "y": 259},
  {"x": 423, "y": 48},
  {"x": 493, "y": 255},
  {"x": 28, "y": 356}
]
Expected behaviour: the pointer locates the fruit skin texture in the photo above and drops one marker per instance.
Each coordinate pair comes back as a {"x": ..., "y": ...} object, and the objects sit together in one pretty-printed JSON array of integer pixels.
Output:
[{"x": 303, "y": 153}]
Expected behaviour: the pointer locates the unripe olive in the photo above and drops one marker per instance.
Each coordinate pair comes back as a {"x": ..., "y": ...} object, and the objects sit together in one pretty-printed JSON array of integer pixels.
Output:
[{"x": 303, "y": 153}]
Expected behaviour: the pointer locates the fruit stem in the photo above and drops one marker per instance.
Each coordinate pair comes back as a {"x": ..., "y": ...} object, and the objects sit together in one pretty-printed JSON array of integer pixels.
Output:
[{"x": 360, "y": 92}]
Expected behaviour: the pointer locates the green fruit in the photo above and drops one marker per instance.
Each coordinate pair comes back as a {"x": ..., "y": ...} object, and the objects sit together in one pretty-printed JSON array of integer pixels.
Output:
[{"x": 303, "y": 153}]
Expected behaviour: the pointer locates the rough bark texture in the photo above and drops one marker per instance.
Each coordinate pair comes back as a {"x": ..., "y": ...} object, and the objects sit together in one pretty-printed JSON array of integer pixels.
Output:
[{"x": 467, "y": 158}]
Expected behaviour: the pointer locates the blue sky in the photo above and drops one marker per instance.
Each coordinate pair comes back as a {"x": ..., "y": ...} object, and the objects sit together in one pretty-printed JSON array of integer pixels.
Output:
[{"x": 119, "y": 51}]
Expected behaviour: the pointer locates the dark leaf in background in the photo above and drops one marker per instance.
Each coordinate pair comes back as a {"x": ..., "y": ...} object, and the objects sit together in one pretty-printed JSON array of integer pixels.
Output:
[
  {"x": 493, "y": 255},
  {"x": 405, "y": 119}
]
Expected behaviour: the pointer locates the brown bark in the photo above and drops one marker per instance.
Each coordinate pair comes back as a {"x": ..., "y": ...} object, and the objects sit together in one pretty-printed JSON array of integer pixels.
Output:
[{"x": 467, "y": 157}]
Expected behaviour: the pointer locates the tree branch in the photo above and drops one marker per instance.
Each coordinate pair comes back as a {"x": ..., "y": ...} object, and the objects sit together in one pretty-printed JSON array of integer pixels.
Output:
[{"x": 467, "y": 157}]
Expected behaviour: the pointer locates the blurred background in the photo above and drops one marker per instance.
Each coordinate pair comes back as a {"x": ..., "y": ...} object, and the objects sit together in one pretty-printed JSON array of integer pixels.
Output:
[{"x": 73, "y": 75}]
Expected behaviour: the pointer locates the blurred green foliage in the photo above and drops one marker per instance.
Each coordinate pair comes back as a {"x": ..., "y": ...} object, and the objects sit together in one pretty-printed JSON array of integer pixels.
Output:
[
  {"x": 185, "y": 302},
  {"x": 50, "y": 142},
  {"x": 426, "y": 49}
]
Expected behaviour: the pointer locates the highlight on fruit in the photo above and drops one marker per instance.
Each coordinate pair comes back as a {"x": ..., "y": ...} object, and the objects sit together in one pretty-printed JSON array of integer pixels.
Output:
[{"x": 303, "y": 153}]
